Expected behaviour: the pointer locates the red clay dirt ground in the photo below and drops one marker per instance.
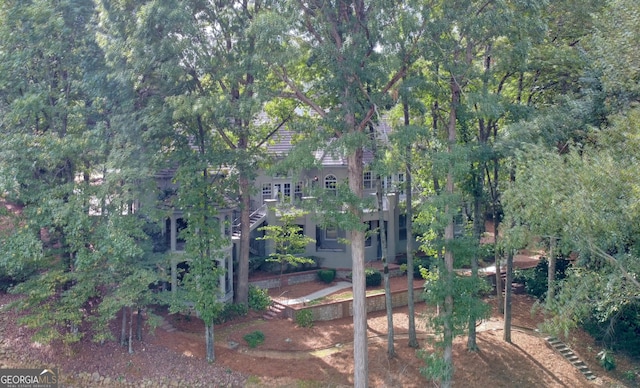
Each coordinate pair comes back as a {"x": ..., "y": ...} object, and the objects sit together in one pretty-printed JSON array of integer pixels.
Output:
[{"x": 321, "y": 356}]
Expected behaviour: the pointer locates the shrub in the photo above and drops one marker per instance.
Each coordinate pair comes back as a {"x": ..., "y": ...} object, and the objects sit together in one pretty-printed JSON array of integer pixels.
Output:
[
  {"x": 535, "y": 280},
  {"x": 230, "y": 312},
  {"x": 327, "y": 275},
  {"x": 259, "y": 298},
  {"x": 373, "y": 277},
  {"x": 606, "y": 360},
  {"x": 254, "y": 338},
  {"x": 630, "y": 375},
  {"x": 421, "y": 262},
  {"x": 619, "y": 332},
  {"x": 304, "y": 318}
]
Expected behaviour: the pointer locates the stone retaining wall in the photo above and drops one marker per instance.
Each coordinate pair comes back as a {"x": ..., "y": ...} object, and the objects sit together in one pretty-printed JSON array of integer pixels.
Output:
[
  {"x": 287, "y": 279},
  {"x": 344, "y": 308}
]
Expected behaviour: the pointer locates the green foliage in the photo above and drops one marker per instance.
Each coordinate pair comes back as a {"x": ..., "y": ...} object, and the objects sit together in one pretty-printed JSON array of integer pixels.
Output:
[
  {"x": 259, "y": 298},
  {"x": 289, "y": 240},
  {"x": 436, "y": 369},
  {"x": 419, "y": 261},
  {"x": 304, "y": 318},
  {"x": 630, "y": 375},
  {"x": 231, "y": 311},
  {"x": 327, "y": 275},
  {"x": 617, "y": 331},
  {"x": 535, "y": 279},
  {"x": 606, "y": 360},
  {"x": 254, "y": 338},
  {"x": 373, "y": 277}
]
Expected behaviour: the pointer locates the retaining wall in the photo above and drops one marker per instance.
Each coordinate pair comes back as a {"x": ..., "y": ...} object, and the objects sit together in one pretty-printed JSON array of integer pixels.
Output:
[
  {"x": 344, "y": 308},
  {"x": 287, "y": 279}
]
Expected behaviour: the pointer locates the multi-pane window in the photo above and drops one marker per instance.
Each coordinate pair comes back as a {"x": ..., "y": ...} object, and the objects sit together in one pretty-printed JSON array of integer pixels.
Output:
[
  {"x": 297, "y": 194},
  {"x": 331, "y": 183},
  {"x": 282, "y": 191},
  {"x": 367, "y": 182},
  {"x": 401, "y": 183},
  {"x": 331, "y": 233},
  {"x": 368, "y": 233},
  {"x": 266, "y": 191}
]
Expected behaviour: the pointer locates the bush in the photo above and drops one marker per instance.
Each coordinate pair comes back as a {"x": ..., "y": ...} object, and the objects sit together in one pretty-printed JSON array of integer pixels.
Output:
[
  {"x": 259, "y": 298},
  {"x": 304, "y": 318},
  {"x": 535, "y": 280},
  {"x": 421, "y": 262},
  {"x": 373, "y": 277},
  {"x": 619, "y": 333},
  {"x": 327, "y": 275},
  {"x": 418, "y": 261},
  {"x": 254, "y": 338},
  {"x": 230, "y": 312},
  {"x": 606, "y": 360}
]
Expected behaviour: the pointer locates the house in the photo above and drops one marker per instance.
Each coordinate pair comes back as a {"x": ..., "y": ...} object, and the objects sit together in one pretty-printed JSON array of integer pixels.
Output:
[
  {"x": 176, "y": 222},
  {"x": 274, "y": 193}
]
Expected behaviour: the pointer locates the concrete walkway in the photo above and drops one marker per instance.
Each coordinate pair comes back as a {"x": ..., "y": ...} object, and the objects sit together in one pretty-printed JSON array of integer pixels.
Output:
[{"x": 317, "y": 295}]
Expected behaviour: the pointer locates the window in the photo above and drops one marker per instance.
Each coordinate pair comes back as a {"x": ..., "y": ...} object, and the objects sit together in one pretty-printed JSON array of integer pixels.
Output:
[
  {"x": 297, "y": 194},
  {"x": 387, "y": 184},
  {"x": 181, "y": 226},
  {"x": 331, "y": 184},
  {"x": 402, "y": 227},
  {"x": 401, "y": 183},
  {"x": 331, "y": 233},
  {"x": 366, "y": 180},
  {"x": 266, "y": 191},
  {"x": 368, "y": 233},
  {"x": 282, "y": 191}
]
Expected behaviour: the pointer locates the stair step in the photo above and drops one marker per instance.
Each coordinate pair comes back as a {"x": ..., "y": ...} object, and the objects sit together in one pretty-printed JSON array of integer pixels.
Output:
[{"x": 570, "y": 356}]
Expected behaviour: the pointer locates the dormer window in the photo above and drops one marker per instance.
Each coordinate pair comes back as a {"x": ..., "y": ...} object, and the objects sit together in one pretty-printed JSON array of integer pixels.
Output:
[{"x": 331, "y": 184}]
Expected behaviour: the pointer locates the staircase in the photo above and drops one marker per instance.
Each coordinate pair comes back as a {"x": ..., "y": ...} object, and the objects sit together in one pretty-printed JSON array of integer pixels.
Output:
[
  {"x": 275, "y": 311},
  {"x": 567, "y": 353},
  {"x": 255, "y": 219}
]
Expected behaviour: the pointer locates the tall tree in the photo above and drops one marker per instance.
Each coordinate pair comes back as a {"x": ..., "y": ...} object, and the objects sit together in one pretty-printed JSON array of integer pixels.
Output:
[
  {"x": 58, "y": 162},
  {"x": 331, "y": 59},
  {"x": 201, "y": 58}
]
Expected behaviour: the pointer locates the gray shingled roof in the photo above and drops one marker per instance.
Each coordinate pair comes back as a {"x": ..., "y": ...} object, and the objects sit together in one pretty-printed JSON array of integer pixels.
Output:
[{"x": 282, "y": 145}]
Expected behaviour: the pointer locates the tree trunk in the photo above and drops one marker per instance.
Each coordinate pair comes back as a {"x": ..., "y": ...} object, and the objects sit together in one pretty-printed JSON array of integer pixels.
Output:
[
  {"x": 391, "y": 352},
  {"x": 208, "y": 337},
  {"x": 360, "y": 352},
  {"x": 139, "y": 325},
  {"x": 551, "y": 276},
  {"x": 496, "y": 255},
  {"x": 130, "y": 330},
  {"x": 447, "y": 316},
  {"x": 472, "y": 344},
  {"x": 507, "y": 297},
  {"x": 242, "y": 295},
  {"x": 413, "y": 339},
  {"x": 123, "y": 330}
]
